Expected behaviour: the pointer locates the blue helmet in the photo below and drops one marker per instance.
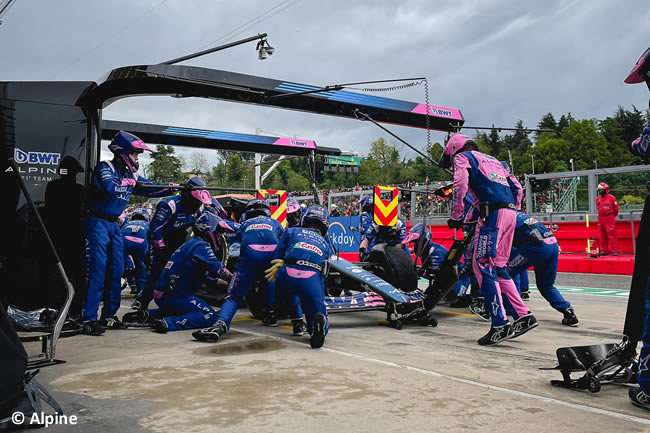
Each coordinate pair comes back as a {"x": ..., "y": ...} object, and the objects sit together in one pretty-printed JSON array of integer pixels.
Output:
[
  {"x": 316, "y": 214},
  {"x": 217, "y": 209},
  {"x": 366, "y": 204},
  {"x": 208, "y": 226},
  {"x": 140, "y": 214},
  {"x": 420, "y": 236},
  {"x": 123, "y": 145},
  {"x": 257, "y": 207},
  {"x": 192, "y": 192}
]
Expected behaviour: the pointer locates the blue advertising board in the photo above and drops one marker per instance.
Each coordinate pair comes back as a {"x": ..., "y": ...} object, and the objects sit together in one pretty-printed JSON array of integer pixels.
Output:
[{"x": 344, "y": 239}]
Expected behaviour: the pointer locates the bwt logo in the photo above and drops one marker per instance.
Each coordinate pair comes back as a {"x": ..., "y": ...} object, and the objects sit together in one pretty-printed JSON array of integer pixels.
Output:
[
  {"x": 22, "y": 157},
  {"x": 299, "y": 143},
  {"x": 439, "y": 112}
]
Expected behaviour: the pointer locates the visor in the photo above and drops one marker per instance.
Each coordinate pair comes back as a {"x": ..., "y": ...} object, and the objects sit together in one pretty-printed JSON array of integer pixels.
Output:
[
  {"x": 634, "y": 77},
  {"x": 411, "y": 237},
  {"x": 139, "y": 144},
  {"x": 202, "y": 195},
  {"x": 225, "y": 227}
]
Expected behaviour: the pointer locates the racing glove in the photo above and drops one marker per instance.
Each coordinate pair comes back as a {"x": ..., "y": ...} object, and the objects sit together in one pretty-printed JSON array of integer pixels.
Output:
[
  {"x": 454, "y": 223},
  {"x": 128, "y": 182},
  {"x": 271, "y": 272}
]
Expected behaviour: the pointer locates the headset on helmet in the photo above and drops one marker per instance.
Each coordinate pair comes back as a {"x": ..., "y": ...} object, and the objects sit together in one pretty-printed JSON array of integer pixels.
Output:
[
  {"x": 366, "y": 204},
  {"x": 293, "y": 212},
  {"x": 257, "y": 207},
  {"x": 420, "y": 236},
  {"x": 456, "y": 144},
  {"x": 202, "y": 196},
  {"x": 124, "y": 144},
  {"x": 316, "y": 215},
  {"x": 139, "y": 214}
]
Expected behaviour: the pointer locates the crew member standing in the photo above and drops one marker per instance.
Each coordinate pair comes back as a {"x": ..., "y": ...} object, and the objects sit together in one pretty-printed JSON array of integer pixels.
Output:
[{"x": 607, "y": 212}]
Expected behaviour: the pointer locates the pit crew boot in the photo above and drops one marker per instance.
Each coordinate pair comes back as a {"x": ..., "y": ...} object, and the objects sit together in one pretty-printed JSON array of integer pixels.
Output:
[
  {"x": 639, "y": 398},
  {"x": 318, "y": 332},
  {"x": 213, "y": 333},
  {"x": 270, "y": 319},
  {"x": 570, "y": 318},
  {"x": 478, "y": 307},
  {"x": 523, "y": 325},
  {"x": 138, "y": 317},
  {"x": 496, "y": 335},
  {"x": 299, "y": 327},
  {"x": 92, "y": 328},
  {"x": 160, "y": 326},
  {"x": 112, "y": 323}
]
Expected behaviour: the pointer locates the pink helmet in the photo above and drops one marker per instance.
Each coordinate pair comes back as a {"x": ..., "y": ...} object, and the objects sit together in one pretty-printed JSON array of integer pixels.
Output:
[
  {"x": 641, "y": 71},
  {"x": 455, "y": 144}
]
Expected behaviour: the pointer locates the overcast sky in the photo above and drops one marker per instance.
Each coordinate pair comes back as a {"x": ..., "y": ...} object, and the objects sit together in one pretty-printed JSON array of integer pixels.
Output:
[{"x": 498, "y": 61}]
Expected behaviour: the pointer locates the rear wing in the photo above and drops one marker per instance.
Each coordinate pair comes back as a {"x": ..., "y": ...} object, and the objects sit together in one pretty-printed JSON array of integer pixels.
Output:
[
  {"x": 210, "y": 139},
  {"x": 191, "y": 81}
]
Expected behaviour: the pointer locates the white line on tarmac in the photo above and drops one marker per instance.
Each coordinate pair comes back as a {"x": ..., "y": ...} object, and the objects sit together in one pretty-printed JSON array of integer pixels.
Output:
[{"x": 581, "y": 407}]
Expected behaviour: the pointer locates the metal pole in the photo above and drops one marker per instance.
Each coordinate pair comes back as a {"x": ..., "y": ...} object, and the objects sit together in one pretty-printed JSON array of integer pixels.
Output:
[{"x": 212, "y": 50}]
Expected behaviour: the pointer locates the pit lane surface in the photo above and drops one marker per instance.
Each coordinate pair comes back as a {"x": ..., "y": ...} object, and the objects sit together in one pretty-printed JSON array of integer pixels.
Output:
[{"x": 369, "y": 378}]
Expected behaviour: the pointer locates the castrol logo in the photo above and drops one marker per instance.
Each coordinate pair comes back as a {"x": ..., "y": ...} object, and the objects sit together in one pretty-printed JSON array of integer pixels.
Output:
[
  {"x": 306, "y": 246},
  {"x": 259, "y": 227},
  {"x": 499, "y": 178}
]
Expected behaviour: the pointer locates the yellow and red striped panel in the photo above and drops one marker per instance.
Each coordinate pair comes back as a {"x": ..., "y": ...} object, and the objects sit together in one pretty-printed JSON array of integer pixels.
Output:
[
  {"x": 279, "y": 212},
  {"x": 385, "y": 212}
]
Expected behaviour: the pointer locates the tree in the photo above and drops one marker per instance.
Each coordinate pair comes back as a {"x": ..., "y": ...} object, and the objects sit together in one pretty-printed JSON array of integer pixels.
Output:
[
  {"x": 547, "y": 122},
  {"x": 234, "y": 168},
  {"x": 198, "y": 163},
  {"x": 387, "y": 160},
  {"x": 166, "y": 166}
]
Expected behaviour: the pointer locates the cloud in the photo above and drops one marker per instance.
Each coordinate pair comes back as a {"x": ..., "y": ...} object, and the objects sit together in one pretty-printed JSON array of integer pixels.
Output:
[{"x": 498, "y": 61}]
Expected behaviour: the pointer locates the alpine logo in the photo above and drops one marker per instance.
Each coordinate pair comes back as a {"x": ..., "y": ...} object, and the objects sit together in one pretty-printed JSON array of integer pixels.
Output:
[
  {"x": 306, "y": 246},
  {"x": 530, "y": 221},
  {"x": 46, "y": 158},
  {"x": 259, "y": 227}
]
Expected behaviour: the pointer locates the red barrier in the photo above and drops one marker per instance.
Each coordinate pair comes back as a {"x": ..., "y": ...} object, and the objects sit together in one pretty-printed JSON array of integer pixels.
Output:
[{"x": 572, "y": 238}]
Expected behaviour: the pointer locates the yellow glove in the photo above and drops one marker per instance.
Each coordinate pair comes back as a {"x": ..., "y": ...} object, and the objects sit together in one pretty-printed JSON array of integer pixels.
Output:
[{"x": 273, "y": 270}]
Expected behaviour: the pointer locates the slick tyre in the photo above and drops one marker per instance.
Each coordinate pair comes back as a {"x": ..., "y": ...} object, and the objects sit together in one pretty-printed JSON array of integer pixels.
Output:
[{"x": 396, "y": 267}]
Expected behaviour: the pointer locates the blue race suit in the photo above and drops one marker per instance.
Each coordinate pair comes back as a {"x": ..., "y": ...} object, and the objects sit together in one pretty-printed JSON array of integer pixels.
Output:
[
  {"x": 259, "y": 240},
  {"x": 390, "y": 236},
  {"x": 437, "y": 255},
  {"x": 305, "y": 253},
  {"x": 293, "y": 302},
  {"x": 365, "y": 222},
  {"x": 521, "y": 280},
  {"x": 111, "y": 186},
  {"x": 183, "y": 275},
  {"x": 134, "y": 235},
  {"x": 534, "y": 245},
  {"x": 499, "y": 193},
  {"x": 168, "y": 230}
]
